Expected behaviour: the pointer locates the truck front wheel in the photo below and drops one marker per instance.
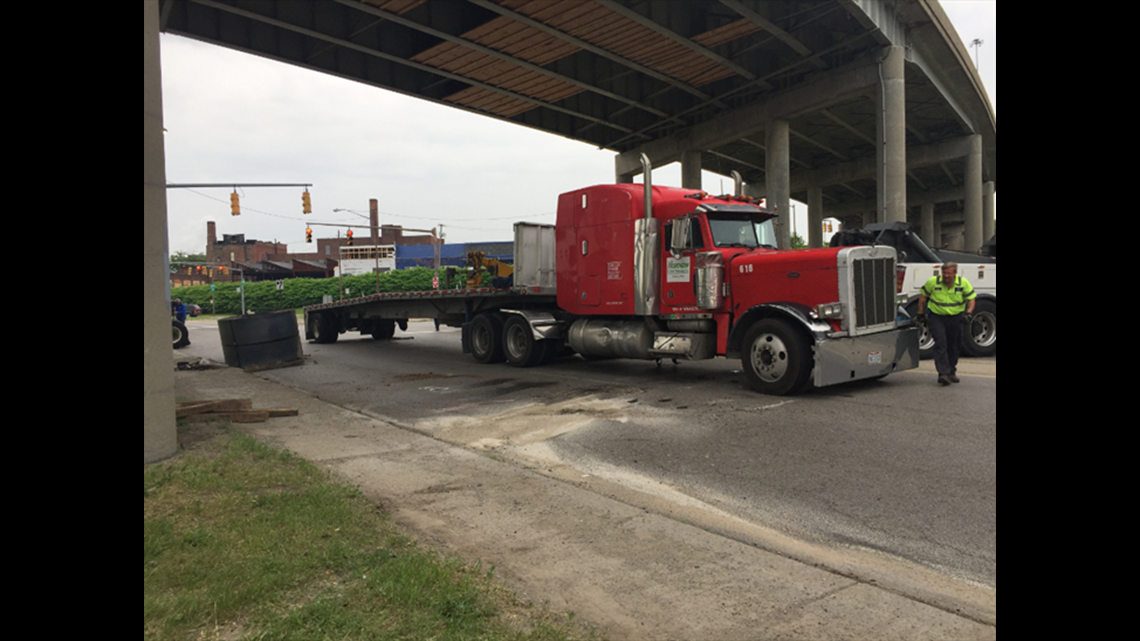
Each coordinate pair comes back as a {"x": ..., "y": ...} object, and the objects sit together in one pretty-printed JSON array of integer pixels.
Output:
[
  {"x": 980, "y": 338},
  {"x": 777, "y": 359},
  {"x": 925, "y": 340},
  {"x": 487, "y": 338}
]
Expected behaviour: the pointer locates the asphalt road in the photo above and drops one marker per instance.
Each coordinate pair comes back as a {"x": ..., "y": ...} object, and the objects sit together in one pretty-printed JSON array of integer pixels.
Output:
[{"x": 900, "y": 468}]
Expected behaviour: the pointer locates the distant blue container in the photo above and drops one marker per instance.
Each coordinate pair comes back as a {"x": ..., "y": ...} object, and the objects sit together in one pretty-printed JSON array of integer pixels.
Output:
[{"x": 452, "y": 255}]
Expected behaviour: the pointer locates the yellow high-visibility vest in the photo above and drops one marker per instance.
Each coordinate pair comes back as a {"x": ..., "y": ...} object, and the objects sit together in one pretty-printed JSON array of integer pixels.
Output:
[{"x": 947, "y": 301}]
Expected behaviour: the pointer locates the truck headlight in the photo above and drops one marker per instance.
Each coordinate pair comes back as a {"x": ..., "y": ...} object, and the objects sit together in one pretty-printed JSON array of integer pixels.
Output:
[{"x": 829, "y": 310}]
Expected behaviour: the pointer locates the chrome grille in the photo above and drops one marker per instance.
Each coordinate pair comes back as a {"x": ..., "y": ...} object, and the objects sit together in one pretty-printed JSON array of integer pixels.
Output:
[{"x": 874, "y": 291}]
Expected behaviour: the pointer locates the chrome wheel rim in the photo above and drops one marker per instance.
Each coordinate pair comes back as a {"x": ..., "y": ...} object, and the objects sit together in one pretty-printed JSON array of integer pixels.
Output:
[
  {"x": 481, "y": 339},
  {"x": 516, "y": 342},
  {"x": 769, "y": 357},
  {"x": 983, "y": 329},
  {"x": 925, "y": 340}
]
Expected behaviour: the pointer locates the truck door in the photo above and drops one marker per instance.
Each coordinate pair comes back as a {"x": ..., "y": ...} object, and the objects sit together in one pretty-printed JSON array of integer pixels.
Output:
[{"x": 677, "y": 293}]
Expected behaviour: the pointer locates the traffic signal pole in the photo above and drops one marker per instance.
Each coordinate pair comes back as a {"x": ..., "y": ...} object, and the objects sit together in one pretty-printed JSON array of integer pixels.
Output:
[{"x": 235, "y": 205}]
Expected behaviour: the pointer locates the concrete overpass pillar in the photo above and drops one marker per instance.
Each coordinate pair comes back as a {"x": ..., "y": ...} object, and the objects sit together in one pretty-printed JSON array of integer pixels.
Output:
[
  {"x": 891, "y": 126},
  {"x": 927, "y": 230},
  {"x": 815, "y": 217},
  {"x": 778, "y": 182},
  {"x": 691, "y": 169},
  {"x": 972, "y": 203},
  {"x": 988, "y": 222},
  {"x": 160, "y": 436},
  {"x": 621, "y": 178}
]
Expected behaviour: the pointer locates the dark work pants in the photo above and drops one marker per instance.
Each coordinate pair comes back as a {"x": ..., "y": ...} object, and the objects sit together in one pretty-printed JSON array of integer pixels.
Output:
[{"x": 947, "y": 334}]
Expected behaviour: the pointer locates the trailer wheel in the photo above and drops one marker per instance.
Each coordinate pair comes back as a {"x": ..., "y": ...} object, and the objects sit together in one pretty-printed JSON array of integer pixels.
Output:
[
  {"x": 384, "y": 330},
  {"x": 925, "y": 340},
  {"x": 980, "y": 338},
  {"x": 323, "y": 328},
  {"x": 181, "y": 336},
  {"x": 487, "y": 338},
  {"x": 519, "y": 345},
  {"x": 777, "y": 359}
]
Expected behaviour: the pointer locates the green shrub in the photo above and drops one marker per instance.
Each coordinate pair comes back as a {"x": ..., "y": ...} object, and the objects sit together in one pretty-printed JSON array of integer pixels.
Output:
[{"x": 299, "y": 292}]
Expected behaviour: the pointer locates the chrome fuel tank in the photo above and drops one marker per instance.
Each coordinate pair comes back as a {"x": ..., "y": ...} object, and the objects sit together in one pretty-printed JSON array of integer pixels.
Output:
[{"x": 612, "y": 337}]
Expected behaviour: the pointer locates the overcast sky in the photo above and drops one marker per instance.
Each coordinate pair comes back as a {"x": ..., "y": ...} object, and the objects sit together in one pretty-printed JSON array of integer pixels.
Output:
[{"x": 232, "y": 117}]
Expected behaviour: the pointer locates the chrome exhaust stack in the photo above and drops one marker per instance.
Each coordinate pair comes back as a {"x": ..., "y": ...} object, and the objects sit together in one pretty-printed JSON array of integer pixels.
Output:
[{"x": 647, "y": 179}]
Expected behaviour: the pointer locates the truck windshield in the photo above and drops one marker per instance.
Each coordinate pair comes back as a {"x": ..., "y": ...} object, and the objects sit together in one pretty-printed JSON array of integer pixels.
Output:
[{"x": 742, "y": 231}]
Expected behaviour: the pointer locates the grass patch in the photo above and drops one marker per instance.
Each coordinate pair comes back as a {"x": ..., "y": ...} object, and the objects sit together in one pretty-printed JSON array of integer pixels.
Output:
[{"x": 244, "y": 541}]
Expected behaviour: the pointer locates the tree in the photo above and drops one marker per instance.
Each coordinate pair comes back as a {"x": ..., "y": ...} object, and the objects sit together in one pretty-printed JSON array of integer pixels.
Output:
[
  {"x": 179, "y": 257},
  {"x": 798, "y": 242}
]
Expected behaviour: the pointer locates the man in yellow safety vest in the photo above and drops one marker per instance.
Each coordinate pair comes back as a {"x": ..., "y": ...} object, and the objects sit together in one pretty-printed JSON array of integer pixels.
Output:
[{"x": 950, "y": 300}]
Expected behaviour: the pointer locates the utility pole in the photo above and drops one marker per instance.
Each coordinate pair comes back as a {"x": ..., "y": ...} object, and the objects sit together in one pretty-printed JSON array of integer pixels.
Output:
[{"x": 435, "y": 241}]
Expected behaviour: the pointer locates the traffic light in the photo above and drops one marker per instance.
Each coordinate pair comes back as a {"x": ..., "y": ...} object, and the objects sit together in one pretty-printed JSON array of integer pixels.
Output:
[
  {"x": 350, "y": 238},
  {"x": 308, "y": 234},
  {"x": 235, "y": 209},
  {"x": 306, "y": 205}
]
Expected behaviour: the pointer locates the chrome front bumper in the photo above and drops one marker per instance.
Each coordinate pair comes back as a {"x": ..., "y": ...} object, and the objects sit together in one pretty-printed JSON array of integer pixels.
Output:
[{"x": 840, "y": 360}]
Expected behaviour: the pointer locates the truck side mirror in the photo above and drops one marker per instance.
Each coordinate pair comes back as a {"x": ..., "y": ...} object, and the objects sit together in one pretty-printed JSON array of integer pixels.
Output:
[{"x": 682, "y": 237}]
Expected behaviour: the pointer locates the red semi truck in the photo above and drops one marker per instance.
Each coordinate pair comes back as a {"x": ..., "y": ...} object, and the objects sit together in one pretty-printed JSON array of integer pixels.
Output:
[{"x": 643, "y": 272}]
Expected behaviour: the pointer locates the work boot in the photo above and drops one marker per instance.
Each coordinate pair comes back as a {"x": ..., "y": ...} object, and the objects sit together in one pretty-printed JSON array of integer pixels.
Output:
[
  {"x": 943, "y": 379},
  {"x": 954, "y": 378}
]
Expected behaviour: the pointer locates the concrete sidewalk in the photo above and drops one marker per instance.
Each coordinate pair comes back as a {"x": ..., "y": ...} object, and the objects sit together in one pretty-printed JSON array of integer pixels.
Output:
[{"x": 631, "y": 573}]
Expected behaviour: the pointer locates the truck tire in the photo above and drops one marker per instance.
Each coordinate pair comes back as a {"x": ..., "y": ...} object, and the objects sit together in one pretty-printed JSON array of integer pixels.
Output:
[
  {"x": 324, "y": 330},
  {"x": 487, "y": 338},
  {"x": 384, "y": 330},
  {"x": 519, "y": 345},
  {"x": 181, "y": 336},
  {"x": 980, "y": 336},
  {"x": 777, "y": 359},
  {"x": 925, "y": 340}
]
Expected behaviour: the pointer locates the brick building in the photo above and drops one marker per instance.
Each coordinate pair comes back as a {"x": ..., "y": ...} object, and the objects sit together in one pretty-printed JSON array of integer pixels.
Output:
[
  {"x": 263, "y": 260},
  {"x": 235, "y": 248}
]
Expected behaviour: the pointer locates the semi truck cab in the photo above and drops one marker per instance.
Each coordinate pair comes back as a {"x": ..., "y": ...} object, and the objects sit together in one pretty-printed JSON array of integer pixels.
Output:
[{"x": 693, "y": 276}]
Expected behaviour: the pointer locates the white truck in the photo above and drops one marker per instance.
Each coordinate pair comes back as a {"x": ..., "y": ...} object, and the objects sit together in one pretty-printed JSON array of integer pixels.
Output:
[{"x": 918, "y": 262}]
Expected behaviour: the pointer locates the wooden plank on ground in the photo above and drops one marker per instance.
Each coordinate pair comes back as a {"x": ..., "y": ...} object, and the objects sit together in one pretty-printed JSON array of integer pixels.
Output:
[
  {"x": 188, "y": 408},
  {"x": 246, "y": 416},
  {"x": 281, "y": 412}
]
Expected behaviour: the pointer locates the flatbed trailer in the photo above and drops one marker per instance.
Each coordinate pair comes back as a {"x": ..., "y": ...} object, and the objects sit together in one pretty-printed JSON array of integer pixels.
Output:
[{"x": 379, "y": 314}]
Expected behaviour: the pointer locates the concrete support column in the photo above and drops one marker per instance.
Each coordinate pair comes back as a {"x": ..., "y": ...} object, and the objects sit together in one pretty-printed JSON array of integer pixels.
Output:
[
  {"x": 926, "y": 222},
  {"x": 972, "y": 202},
  {"x": 815, "y": 217},
  {"x": 619, "y": 177},
  {"x": 891, "y": 126},
  {"x": 160, "y": 436},
  {"x": 988, "y": 223},
  {"x": 778, "y": 181},
  {"x": 691, "y": 169}
]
